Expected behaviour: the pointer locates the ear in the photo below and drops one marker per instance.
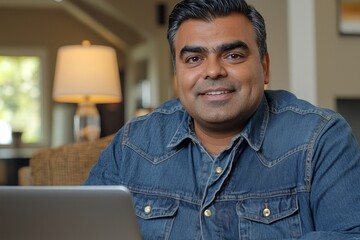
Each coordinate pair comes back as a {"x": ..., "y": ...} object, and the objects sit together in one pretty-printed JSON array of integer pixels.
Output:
[{"x": 266, "y": 68}]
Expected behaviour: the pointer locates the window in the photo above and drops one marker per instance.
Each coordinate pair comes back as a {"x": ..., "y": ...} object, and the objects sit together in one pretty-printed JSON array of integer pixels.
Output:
[{"x": 22, "y": 108}]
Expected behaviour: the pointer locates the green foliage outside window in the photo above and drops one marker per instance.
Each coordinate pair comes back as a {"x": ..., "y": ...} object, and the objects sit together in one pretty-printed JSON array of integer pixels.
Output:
[{"x": 20, "y": 95}]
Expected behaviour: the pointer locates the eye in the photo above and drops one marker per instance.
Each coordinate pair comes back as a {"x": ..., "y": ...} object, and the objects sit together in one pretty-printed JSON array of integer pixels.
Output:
[
  {"x": 235, "y": 57},
  {"x": 192, "y": 60}
]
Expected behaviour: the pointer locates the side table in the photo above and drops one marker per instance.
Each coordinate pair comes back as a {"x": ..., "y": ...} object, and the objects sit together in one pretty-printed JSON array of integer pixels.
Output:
[{"x": 11, "y": 160}]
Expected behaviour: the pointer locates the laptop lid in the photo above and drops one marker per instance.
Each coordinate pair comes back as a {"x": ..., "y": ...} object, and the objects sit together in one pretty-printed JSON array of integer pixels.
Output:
[{"x": 66, "y": 213}]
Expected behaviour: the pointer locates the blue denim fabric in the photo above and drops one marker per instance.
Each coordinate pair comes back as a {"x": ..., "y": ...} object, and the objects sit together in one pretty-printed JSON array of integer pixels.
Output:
[{"x": 293, "y": 172}]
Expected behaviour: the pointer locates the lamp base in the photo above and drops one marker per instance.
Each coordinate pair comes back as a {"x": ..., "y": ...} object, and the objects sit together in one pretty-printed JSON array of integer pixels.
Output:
[{"x": 86, "y": 122}]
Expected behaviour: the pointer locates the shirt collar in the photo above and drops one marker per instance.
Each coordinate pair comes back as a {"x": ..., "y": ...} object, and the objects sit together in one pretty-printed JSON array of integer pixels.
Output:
[
  {"x": 183, "y": 131},
  {"x": 253, "y": 132}
]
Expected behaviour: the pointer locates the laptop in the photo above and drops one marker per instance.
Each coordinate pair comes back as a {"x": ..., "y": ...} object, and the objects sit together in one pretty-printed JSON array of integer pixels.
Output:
[{"x": 67, "y": 213}]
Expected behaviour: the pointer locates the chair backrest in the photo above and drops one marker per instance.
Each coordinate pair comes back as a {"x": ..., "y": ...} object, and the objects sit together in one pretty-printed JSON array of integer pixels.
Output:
[{"x": 69, "y": 164}]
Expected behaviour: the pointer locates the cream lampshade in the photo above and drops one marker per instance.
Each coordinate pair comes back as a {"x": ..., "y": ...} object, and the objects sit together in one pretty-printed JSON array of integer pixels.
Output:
[{"x": 87, "y": 74}]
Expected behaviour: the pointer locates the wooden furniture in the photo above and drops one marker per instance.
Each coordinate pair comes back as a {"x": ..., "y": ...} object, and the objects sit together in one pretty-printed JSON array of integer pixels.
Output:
[{"x": 11, "y": 160}]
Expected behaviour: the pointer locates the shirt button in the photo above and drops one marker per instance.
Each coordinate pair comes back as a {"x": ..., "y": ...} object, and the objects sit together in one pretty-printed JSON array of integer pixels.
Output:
[
  {"x": 207, "y": 213},
  {"x": 147, "y": 209},
  {"x": 219, "y": 170},
  {"x": 266, "y": 212}
]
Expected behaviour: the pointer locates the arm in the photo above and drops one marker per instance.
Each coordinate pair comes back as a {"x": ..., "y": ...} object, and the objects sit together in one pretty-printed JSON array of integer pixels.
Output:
[
  {"x": 106, "y": 169},
  {"x": 335, "y": 187}
]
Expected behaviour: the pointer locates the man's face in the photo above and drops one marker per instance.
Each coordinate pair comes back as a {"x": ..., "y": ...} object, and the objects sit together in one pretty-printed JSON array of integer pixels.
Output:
[{"x": 219, "y": 74}]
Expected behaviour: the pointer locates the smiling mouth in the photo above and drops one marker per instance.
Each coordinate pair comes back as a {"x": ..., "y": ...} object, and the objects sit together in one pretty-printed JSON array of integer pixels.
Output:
[{"x": 214, "y": 93}]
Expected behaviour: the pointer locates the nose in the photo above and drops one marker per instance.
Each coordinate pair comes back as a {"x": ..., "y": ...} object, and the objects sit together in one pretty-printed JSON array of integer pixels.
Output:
[{"x": 214, "y": 68}]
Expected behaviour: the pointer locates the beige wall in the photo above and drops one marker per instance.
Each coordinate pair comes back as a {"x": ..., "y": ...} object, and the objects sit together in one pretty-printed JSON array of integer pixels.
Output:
[
  {"x": 338, "y": 63},
  {"x": 337, "y": 56},
  {"x": 275, "y": 16}
]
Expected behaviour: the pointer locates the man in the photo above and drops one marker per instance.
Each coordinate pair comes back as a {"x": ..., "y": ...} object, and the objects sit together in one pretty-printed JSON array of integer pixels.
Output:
[{"x": 230, "y": 160}]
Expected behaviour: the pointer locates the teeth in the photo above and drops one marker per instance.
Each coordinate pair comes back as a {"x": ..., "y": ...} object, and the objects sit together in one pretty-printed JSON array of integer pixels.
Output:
[{"x": 216, "y": 93}]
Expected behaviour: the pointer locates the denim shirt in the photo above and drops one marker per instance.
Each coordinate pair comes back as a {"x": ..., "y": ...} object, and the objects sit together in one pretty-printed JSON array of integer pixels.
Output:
[{"x": 293, "y": 172}]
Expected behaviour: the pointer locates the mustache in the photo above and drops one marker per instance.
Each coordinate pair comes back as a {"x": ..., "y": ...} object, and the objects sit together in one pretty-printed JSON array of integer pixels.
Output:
[{"x": 214, "y": 84}]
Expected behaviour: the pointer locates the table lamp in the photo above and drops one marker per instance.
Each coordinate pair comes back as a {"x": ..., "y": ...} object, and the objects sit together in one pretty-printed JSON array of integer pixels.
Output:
[{"x": 87, "y": 74}]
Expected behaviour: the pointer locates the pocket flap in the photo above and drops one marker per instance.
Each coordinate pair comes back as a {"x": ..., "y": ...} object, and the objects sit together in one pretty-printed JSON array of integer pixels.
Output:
[
  {"x": 153, "y": 206},
  {"x": 267, "y": 209}
]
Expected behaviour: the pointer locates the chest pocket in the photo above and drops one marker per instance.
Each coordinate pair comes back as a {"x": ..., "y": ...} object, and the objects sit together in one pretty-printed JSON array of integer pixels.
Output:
[
  {"x": 155, "y": 215},
  {"x": 269, "y": 217}
]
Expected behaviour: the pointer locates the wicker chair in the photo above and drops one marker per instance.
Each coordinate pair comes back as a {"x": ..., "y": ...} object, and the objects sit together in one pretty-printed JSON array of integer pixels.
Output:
[{"x": 69, "y": 164}]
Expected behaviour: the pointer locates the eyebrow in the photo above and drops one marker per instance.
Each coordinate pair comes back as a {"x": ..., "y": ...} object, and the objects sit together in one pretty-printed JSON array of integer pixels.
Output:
[
  {"x": 221, "y": 48},
  {"x": 192, "y": 49},
  {"x": 231, "y": 46}
]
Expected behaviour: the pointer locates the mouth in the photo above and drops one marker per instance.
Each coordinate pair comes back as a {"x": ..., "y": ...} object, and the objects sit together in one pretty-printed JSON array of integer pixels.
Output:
[{"x": 215, "y": 93}]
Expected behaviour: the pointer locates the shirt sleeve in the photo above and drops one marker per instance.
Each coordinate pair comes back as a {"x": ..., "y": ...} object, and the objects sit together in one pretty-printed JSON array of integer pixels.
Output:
[
  {"x": 107, "y": 169},
  {"x": 335, "y": 187}
]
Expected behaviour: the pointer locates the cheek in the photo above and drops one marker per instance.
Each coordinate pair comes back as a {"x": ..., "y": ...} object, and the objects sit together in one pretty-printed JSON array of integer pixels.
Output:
[
  {"x": 250, "y": 76},
  {"x": 181, "y": 90},
  {"x": 182, "y": 86},
  {"x": 186, "y": 80}
]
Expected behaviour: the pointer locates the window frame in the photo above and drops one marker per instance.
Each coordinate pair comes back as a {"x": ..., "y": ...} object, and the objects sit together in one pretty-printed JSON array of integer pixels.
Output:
[{"x": 45, "y": 91}]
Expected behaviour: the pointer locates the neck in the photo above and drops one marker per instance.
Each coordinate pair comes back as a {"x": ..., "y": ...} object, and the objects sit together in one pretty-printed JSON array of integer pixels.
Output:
[{"x": 214, "y": 141}]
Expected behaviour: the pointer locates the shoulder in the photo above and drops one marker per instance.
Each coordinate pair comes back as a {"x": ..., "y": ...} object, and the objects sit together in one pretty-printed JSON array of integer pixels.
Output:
[
  {"x": 167, "y": 113},
  {"x": 298, "y": 120},
  {"x": 158, "y": 126},
  {"x": 280, "y": 101}
]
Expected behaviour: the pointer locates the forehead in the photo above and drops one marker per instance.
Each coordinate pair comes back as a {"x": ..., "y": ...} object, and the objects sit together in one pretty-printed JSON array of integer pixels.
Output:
[{"x": 210, "y": 34}]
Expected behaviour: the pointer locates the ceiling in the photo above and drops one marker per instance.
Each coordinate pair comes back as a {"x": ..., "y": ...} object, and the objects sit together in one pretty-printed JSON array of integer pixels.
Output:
[
  {"x": 103, "y": 16},
  {"x": 31, "y": 3}
]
